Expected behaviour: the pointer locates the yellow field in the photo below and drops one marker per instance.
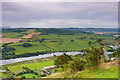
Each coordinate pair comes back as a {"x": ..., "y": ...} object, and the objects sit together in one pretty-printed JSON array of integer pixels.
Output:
[{"x": 30, "y": 35}]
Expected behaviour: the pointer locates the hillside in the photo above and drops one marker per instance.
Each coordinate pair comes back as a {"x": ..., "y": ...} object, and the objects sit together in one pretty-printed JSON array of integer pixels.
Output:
[
  {"x": 108, "y": 70},
  {"x": 44, "y": 31}
]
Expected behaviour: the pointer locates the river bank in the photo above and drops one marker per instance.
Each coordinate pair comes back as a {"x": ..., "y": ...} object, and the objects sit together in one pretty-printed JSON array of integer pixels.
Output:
[{"x": 9, "y": 61}]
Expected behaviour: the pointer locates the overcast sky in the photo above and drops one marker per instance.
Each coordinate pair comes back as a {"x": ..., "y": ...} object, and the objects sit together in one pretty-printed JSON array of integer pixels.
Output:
[{"x": 60, "y": 14}]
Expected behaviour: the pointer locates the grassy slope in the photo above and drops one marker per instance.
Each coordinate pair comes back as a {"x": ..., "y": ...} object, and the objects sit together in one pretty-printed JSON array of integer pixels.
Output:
[
  {"x": 4, "y": 75},
  {"x": 11, "y": 35},
  {"x": 15, "y": 34},
  {"x": 107, "y": 70},
  {"x": 102, "y": 73}
]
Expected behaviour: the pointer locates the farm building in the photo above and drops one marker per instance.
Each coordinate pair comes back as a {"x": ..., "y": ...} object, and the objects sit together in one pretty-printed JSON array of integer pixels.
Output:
[{"x": 47, "y": 70}]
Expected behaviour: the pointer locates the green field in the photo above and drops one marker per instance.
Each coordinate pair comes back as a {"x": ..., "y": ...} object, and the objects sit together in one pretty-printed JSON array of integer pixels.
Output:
[
  {"x": 56, "y": 42},
  {"x": 32, "y": 66},
  {"x": 11, "y": 35},
  {"x": 29, "y": 75},
  {"x": 2, "y": 75},
  {"x": 22, "y": 50}
]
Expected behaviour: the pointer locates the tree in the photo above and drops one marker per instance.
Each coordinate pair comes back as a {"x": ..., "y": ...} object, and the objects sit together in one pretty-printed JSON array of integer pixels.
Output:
[
  {"x": 99, "y": 40},
  {"x": 62, "y": 60},
  {"x": 93, "y": 57},
  {"x": 102, "y": 47},
  {"x": 33, "y": 77},
  {"x": 77, "y": 64},
  {"x": 23, "y": 77},
  {"x": 27, "y": 45},
  {"x": 6, "y": 68},
  {"x": 90, "y": 43},
  {"x": 41, "y": 40},
  {"x": 72, "y": 40},
  {"x": 116, "y": 53}
]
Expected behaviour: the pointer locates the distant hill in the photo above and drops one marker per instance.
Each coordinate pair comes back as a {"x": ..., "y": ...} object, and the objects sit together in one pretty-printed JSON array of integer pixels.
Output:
[
  {"x": 56, "y": 31},
  {"x": 44, "y": 31},
  {"x": 6, "y": 27},
  {"x": 61, "y": 31},
  {"x": 94, "y": 29}
]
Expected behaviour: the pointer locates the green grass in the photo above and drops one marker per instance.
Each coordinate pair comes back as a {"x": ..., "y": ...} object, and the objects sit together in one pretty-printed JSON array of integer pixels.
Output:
[
  {"x": 3, "y": 75},
  {"x": 12, "y": 35},
  {"x": 32, "y": 66},
  {"x": 28, "y": 75},
  {"x": 101, "y": 73},
  {"x": 66, "y": 43},
  {"x": 37, "y": 47},
  {"x": 16, "y": 34}
]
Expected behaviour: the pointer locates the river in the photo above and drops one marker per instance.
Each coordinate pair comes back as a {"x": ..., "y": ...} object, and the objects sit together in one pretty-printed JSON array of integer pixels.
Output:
[{"x": 9, "y": 61}]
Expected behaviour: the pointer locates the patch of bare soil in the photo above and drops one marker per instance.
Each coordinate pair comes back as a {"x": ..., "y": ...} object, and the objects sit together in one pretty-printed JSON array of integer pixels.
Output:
[
  {"x": 8, "y": 40},
  {"x": 31, "y": 35},
  {"x": 55, "y": 75},
  {"x": 109, "y": 64}
]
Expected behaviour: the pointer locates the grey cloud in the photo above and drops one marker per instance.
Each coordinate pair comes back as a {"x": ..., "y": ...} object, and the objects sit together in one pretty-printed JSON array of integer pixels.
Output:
[{"x": 21, "y": 13}]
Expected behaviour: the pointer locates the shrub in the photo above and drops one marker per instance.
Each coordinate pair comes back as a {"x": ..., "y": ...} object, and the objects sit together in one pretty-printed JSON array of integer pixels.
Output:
[
  {"x": 77, "y": 64},
  {"x": 93, "y": 57},
  {"x": 115, "y": 53},
  {"x": 23, "y": 77},
  {"x": 62, "y": 60},
  {"x": 27, "y": 45}
]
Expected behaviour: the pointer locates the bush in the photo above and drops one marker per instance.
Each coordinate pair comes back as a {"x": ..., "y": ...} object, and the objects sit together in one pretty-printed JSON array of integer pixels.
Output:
[
  {"x": 27, "y": 45},
  {"x": 62, "y": 60},
  {"x": 115, "y": 53},
  {"x": 77, "y": 64},
  {"x": 107, "y": 60},
  {"x": 26, "y": 70},
  {"x": 93, "y": 57},
  {"x": 23, "y": 77},
  {"x": 7, "y": 52}
]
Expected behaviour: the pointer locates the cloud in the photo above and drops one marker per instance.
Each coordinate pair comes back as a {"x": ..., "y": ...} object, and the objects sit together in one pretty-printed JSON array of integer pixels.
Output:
[
  {"x": 64, "y": 23},
  {"x": 60, "y": 0},
  {"x": 59, "y": 14}
]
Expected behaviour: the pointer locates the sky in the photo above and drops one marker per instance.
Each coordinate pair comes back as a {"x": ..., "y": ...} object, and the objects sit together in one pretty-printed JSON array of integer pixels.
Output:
[{"x": 60, "y": 14}]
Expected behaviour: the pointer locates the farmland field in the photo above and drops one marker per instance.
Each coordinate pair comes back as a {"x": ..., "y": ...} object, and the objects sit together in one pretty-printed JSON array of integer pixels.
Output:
[
  {"x": 9, "y": 40},
  {"x": 30, "y": 35},
  {"x": 56, "y": 42},
  {"x": 32, "y": 66},
  {"x": 34, "y": 42},
  {"x": 49, "y": 40}
]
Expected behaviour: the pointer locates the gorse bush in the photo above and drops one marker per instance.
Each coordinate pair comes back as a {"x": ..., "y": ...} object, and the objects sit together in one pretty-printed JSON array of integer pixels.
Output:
[
  {"x": 62, "y": 60},
  {"x": 93, "y": 57},
  {"x": 77, "y": 64},
  {"x": 116, "y": 53}
]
